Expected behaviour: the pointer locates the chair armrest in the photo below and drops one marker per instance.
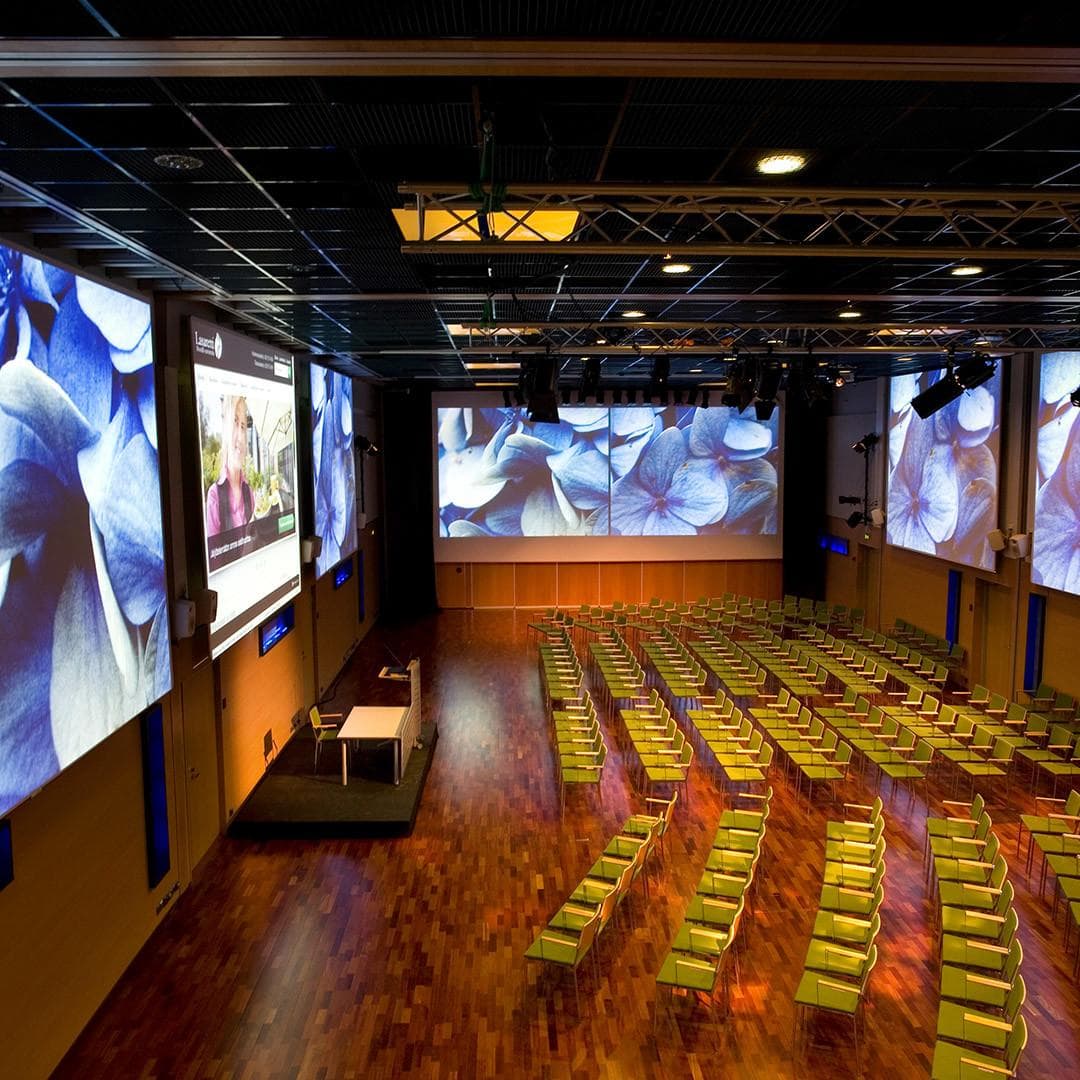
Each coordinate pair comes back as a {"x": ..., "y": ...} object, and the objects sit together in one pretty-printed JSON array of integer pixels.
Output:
[{"x": 331, "y": 715}]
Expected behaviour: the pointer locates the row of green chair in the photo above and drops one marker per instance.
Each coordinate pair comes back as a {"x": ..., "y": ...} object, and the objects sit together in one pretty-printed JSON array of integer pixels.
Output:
[
  {"x": 842, "y": 951},
  {"x": 574, "y": 933},
  {"x": 738, "y": 751},
  {"x": 704, "y": 951}
]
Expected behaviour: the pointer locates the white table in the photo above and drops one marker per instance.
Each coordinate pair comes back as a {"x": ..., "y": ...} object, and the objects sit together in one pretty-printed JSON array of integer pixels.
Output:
[{"x": 373, "y": 722}]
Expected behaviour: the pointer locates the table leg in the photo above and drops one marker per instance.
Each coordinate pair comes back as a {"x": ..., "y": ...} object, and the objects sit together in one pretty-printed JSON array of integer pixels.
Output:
[
  {"x": 397, "y": 762},
  {"x": 345, "y": 762}
]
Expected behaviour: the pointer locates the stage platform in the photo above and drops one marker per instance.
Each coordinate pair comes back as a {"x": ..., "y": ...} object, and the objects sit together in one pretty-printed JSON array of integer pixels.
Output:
[{"x": 291, "y": 801}]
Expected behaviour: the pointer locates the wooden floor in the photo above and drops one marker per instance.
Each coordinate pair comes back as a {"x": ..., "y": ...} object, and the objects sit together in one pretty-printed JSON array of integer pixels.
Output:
[{"x": 404, "y": 957}]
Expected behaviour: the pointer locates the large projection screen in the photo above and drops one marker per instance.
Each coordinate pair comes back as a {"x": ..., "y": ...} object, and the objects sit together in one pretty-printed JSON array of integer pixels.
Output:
[
  {"x": 943, "y": 471},
  {"x": 247, "y": 438},
  {"x": 642, "y": 482},
  {"x": 333, "y": 466},
  {"x": 84, "y": 625},
  {"x": 1055, "y": 552}
]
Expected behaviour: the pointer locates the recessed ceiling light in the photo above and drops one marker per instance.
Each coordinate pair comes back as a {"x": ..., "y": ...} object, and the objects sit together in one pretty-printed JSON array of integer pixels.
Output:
[
  {"x": 493, "y": 365},
  {"x": 778, "y": 164},
  {"x": 966, "y": 270},
  {"x": 773, "y": 341},
  {"x": 696, "y": 370},
  {"x": 676, "y": 268},
  {"x": 849, "y": 313},
  {"x": 179, "y": 162},
  {"x": 601, "y": 341},
  {"x": 633, "y": 313}
]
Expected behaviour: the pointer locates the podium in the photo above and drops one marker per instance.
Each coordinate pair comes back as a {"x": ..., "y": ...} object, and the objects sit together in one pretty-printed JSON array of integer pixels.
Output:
[{"x": 408, "y": 735}]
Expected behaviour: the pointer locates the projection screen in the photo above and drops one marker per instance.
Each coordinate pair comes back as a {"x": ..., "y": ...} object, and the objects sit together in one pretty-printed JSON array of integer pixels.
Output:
[
  {"x": 247, "y": 436},
  {"x": 84, "y": 625}
]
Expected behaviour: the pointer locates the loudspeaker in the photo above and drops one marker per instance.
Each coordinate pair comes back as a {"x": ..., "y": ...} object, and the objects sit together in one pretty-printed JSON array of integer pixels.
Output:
[
  {"x": 997, "y": 540},
  {"x": 877, "y": 516},
  {"x": 310, "y": 548},
  {"x": 206, "y": 607},
  {"x": 183, "y": 619},
  {"x": 1019, "y": 546}
]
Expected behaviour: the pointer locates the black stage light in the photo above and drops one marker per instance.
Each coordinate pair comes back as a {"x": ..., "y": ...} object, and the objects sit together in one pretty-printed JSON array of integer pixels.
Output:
[
  {"x": 616, "y": 397},
  {"x": 506, "y": 399},
  {"x": 693, "y": 396},
  {"x": 661, "y": 369},
  {"x": 704, "y": 399},
  {"x": 975, "y": 372},
  {"x": 730, "y": 400},
  {"x": 764, "y": 410},
  {"x": 566, "y": 395},
  {"x": 1074, "y": 397},
  {"x": 541, "y": 378},
  {"x": 519, "y": 396},
  {"x": 945, "y": 391},
  {"x": 768, "y": 383},
  {"x": 856, "y": 519},
  {"x": 676, "y": 397},
  {"x": 850, "y": 500},
  {"x": 866, "y": 443},
  {"x": 590, "y": 378}
]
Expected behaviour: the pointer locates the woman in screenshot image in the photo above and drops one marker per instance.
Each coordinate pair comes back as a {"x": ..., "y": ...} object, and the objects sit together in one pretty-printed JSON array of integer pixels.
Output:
[{"x": 230, "y": 502}]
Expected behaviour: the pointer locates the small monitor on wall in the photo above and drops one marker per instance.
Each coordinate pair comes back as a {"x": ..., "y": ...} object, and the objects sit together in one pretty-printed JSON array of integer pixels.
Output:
[{"x": 247, "y": 436}]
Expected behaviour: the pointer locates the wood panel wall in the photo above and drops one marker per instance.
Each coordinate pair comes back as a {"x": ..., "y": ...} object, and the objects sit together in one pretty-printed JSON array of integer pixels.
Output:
[
  {"x": 1062, "y": 637},
  {"x": 337, "y": 628},
  {"x": 534, "y": 585}
]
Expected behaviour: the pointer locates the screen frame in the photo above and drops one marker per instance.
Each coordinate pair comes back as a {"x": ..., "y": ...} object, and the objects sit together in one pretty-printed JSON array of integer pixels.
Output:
[
  {"x": 566, "y": 549},
  {"x": 249, "y": 619},
  {"x": 157, "y": 366},
  {"x": 1033, "y": 472},
  {"x": 993, "y": 571}
]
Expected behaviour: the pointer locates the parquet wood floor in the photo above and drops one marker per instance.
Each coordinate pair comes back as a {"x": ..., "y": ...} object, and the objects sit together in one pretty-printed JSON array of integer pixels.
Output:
[{"x": 387, "y": 958}]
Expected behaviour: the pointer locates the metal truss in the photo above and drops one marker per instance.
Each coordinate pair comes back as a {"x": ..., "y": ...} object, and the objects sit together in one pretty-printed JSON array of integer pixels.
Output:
[
  {"x": 654, "y": 220},
  {"x": 726, "y": 338}
]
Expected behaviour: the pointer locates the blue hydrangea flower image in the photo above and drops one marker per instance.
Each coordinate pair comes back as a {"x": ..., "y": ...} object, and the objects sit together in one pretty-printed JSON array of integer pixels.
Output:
[
  {"x": 1055, "y": 559},
  {"x": 83, "y": 618},
  {"x": 943, "y": 471},
  {"x": 334, "y": 466}
]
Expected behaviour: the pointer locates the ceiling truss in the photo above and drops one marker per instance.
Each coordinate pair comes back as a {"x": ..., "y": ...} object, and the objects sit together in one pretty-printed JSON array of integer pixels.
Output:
[{"x": 652, "y": 220}]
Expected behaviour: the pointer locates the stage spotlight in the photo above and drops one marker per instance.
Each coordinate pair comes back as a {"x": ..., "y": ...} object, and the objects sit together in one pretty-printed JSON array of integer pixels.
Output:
[
  {"x": 1074, "y": 397},
  {"x": 366, "y": 446},
  {"x": 850, "y": 500},
  {"x": 616, "y": 397},
  {"x": 866, "y": 443},
  {"x": 541, "y": 380},
  {"x": 730, "y": 400},
  {"x": 590, "y": 378},
  {"x": 519, "y": 397},
  {"x": 975, "y": 372},
  {"x": 764, "y": 410},
  {"x": 692, "y": 399},
  {"x": 856, "y": 519},
  {"x": 506, "y": 399},
  {"x": 661, "y": 369},
  {"x": 676, "y": 397},
  {"x": 566, "y": 395},
  {"x": 768, "y": 383},
  {"x": 704, "y": 399},
  {"x": 945, "y": 391}
]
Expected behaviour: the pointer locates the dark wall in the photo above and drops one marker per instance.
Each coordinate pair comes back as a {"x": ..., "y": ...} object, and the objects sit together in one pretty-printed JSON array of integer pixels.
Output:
[
  {"x": 408, "y": 588},
  {"x": 804, "y": 494}
]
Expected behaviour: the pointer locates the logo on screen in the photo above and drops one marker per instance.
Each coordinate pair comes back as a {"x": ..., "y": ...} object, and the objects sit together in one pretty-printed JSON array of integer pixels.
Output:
[
  {"x": 217, "y": 346},
  {"x": 209, "y": 346}
]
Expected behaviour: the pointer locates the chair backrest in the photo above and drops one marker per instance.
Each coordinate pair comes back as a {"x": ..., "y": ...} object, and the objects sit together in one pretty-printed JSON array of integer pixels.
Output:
[
  {"x": 1016, "y": 1044},
  {"x": 980, "y": 695},
  {"x": 983, "y": 738},
  {"x": 1015, "y": 999},
  {"x": 906, "y": 740},
  {"x": 876, "y": 808},
  {"x": 890, "y": 726},
  {"x": 997, "y": 874},
  {"x": 607, "y": 905},
  {"x": 1009, "y": 928},
  {"x": 755, "y": 740},
  {"x": 765, "y": 758},
  {"x": 1003, "y": 749},
  {"x": 924, "y": 753},
  {"x": 843, "y": 755},
  {"x": 817, "y": 727},
  {"x": 993, "y": 847},
  {"x": 1005, "y": 898},
  {"x": 601, "y": 757},
  {"x": 978, "y": 805},
  {"x": 829, "y": 740},
  {"x": 587, "y": 934},
  {"x": 669, "y": 813},
  {"x": 677, "y": 739},
  {"x": 982, "y": 826},
  {"x": 1072, "y": 803},
  {"x": 871, "y": 960},
  {"x": 1013, "y": 960}
]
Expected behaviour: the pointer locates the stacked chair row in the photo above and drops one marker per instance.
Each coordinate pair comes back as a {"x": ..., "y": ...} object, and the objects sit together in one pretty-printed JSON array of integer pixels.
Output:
[
  {"x": 736, "y": 742},
  {"x": 1055, "y": 834},
  {"x": 575, "y": 932},
  {"x": 663, "y": 752},
  {"x": 951, "y": 653},
  {"x": 676, "y": 668},
  {"x": 618, "y": 674},
  {"x": 704, "y": 951},
  {"x": 843, "y": 950},
  {"x": 981, "y": 1029},
  {"x": 579, "y": 742}
]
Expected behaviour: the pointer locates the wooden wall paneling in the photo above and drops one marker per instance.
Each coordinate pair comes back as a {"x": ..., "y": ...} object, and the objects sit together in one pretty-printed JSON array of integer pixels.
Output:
[
  {"x": 535, "y": 584},
  {"x": 579, "y": 583},
  {"x": 492, "y": 585},
  {"x": 452, "y": 585},
  {"x": 661, "y": 579},
  {"x": 756, "y": 577},
  {"x": 1060, "y": 668},
  {"x": 620, "y": 581},
  {"x": 199, "y": 767},
  {"x": 79, "y": 892},
  {"x": 915, "y": 588},
  {"x": 369, "y": 545},
  {"x": 336, "y": 625},
  {"x": 260, "y": 693},
  {"x": 704, "y": 579}
]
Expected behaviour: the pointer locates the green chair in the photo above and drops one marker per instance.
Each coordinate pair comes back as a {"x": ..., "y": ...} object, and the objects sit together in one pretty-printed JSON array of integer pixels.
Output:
[
  {"x": 958, "y": 951},
  {"x": 324, "y": 732},
  {"x": 831, "y": 995},
  {"x": 955, "y": 826},
  {"x": 567, "y": 951},
  {"x": 979, "y": 988},
  {"x": 953, "y": 1062},
  {"x": 963, "y": 1024}
]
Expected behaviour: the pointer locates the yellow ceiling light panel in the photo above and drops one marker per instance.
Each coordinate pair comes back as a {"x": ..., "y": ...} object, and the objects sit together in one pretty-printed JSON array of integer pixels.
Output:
[{"x": 445, "y": 226}]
